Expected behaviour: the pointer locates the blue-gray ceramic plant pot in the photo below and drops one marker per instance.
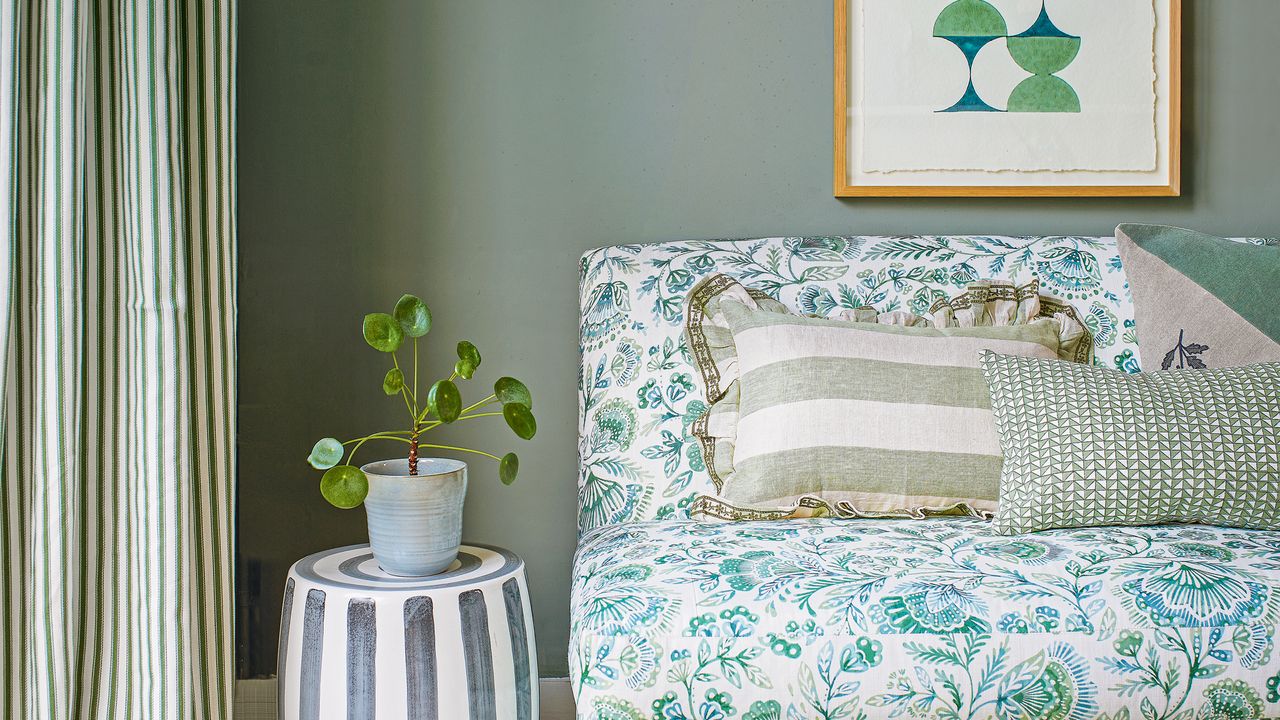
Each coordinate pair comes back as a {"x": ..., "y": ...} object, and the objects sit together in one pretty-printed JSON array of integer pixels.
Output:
[{"x": 415, "y": 521}]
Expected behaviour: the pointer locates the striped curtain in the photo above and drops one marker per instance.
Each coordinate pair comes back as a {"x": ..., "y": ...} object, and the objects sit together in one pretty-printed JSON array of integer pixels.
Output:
[{"x": 117, "y": 289}]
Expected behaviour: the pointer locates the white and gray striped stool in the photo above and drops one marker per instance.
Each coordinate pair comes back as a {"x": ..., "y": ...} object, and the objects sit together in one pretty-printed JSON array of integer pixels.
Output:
[{"x": 359, "y": 644}]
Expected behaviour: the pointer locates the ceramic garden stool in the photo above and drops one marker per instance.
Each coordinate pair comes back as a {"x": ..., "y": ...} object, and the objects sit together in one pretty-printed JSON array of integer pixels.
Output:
[{"x": 357, "y": 643}]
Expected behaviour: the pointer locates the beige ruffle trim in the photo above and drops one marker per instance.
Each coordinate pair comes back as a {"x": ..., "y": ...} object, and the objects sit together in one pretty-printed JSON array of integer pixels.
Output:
[{"x": 987, "y": 303}]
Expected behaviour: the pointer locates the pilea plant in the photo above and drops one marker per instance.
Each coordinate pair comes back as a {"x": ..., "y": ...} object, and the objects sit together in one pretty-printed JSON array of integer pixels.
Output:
[{"x": 345, "y": 485}]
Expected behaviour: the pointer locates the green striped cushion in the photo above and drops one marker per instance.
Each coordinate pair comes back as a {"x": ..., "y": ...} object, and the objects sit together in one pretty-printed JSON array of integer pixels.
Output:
[{"x": 812, "y": 416}]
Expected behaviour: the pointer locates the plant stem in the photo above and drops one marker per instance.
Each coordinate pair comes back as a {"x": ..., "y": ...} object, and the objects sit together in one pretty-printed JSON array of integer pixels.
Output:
[
  {"x": 464, "y": 411},
  {"x": 483, "y": 402},
  {"x": 462, "y": 449},
  {"x": 381, "y": 434},
  {"x": 413, "y": 451},
  {"x": 388, "y": 435},
  {"x": 413, "y": 414},
  {"x": 367, "y": 438},
  {"x": 404, "y": 389},
  {"x": 425, "y": 426}
]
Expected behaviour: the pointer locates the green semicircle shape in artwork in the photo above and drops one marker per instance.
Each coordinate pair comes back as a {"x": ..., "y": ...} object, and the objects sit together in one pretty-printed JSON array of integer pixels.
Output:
[
  {"x": 1044, "y": 93},
  {"x": 968, "y": 18},
  {"x": 1043, "y": 55}
]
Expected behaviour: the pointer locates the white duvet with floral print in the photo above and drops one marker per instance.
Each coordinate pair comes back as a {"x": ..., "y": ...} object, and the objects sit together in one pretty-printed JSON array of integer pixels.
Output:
[
  {"x": 825, "y": 618},
  {"x": 849, "y": 620}
]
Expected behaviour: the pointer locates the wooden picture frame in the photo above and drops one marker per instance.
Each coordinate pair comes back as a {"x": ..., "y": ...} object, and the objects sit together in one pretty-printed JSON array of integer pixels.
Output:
[{"x": 1167, "y": 184}]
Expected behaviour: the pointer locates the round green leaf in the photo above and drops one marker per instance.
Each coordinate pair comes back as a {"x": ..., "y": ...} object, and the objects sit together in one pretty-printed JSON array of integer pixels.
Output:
[
  {"x": 413, "y": 315},
  {"x": 464, "y": 369},
  {"x": 520, "y": 420},
  {"x": 468, "y": 360},
  {"x": 344, "y": 486},
  {"x": 326, "y": 454},
  {"x": 382, "y": 332},
  {"x": 445, "y": 401},
  {"x": 393, "y": 381},
  {"x": 511, "y": 391},
  {"x": 468, "y": 352},
  {"x": 508, "y": 468}
]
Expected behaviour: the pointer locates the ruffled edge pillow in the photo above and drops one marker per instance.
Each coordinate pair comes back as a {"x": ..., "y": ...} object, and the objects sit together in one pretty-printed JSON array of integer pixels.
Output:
[
  {"x": 984, "y": 303},
  {"x": 987, "y": 303}
]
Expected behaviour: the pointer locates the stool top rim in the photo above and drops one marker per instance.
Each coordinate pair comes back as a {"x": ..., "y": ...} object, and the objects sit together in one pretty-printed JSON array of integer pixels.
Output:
[{"x": 353, "y": 567}]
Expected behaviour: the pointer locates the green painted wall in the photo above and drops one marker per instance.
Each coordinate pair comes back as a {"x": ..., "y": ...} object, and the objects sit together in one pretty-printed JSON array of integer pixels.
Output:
[{"x": 470, "y": 150}]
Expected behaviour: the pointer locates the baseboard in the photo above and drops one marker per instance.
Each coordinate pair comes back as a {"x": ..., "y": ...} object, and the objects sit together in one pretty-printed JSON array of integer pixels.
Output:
[
  {"x": 256, "y": 699},
  {"x": 556, "y": 699}
]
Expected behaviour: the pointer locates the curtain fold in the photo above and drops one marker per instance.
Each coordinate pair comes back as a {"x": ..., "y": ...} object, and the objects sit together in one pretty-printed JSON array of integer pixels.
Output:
[{"x": 117, "y": 312}]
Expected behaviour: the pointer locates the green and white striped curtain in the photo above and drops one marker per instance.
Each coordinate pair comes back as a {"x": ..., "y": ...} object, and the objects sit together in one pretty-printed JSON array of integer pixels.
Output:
[{"x": 117, "y": 315}]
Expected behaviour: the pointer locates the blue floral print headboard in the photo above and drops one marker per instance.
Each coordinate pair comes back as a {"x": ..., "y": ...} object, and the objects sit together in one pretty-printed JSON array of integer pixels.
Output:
[{"x": 638, "y": 392}]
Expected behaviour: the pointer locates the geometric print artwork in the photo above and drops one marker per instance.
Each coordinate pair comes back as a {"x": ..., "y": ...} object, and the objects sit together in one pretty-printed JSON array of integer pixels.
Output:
[
  {"x": 1086, "y": 446},
  {"x": 1042, "y": 50},
  {"x": 924, "y": 620},
  {"x": 639, "y": 390}
]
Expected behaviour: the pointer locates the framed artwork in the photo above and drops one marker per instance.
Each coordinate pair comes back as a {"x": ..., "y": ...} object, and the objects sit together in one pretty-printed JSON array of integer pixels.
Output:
[{"x": 1007, "y": 97}]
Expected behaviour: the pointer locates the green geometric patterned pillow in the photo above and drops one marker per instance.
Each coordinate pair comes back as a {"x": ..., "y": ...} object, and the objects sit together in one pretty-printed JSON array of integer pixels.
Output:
[
  {"x": 1201, "y": 301},
  {"x": 1087, "y": 446}
]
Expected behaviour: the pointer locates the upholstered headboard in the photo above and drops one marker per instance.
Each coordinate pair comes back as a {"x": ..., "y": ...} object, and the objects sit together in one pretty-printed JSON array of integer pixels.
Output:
[{"x": 638, "y": 391}]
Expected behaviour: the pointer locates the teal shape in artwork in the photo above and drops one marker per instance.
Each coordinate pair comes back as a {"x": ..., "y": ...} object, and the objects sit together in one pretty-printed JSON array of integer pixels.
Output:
[
  {"x": 1042, "y": 50},
  {"x": 970, "y": 25},
  {"x": 970, "y": 101}
]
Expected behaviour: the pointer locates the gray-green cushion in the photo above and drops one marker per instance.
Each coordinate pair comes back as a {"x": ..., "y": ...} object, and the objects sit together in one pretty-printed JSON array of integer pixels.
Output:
[
  {"x": 1086, "y": 446},
  {"x": 1201, "y": 301}
]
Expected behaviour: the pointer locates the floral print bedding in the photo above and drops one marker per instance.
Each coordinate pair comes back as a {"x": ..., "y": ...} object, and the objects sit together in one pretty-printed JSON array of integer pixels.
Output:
[
  {"x": 937, "y": 619},
  {"x": 638, "y": 393}
]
